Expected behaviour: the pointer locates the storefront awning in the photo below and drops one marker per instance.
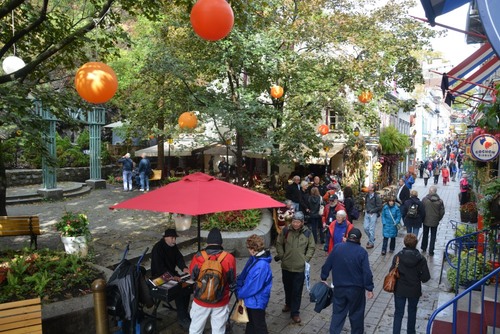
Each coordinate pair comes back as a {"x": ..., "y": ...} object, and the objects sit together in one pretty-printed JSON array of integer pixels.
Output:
[
  {"x": 484, "y": 53},
  {"x": 481, "y": 75},
  {"x": 434, "y": 8}
]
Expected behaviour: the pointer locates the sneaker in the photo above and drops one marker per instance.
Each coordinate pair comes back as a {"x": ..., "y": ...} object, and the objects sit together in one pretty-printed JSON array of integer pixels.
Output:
[
  {"x": 384, "y": 252},
  {"x": 369, "y": 246},
  {"x": 391, "y": 251},
  {"x": 141, "y": 189},
  {"x": 296, "y": 319}
]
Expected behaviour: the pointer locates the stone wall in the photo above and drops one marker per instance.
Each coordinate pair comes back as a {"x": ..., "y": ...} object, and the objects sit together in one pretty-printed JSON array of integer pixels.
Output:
[{"x": 23, "y": 177}]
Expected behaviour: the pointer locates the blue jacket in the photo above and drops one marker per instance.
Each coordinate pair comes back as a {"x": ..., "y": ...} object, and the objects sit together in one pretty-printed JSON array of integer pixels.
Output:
[
  {"x": 128, "y": 164},
  {"x": 348, "y": 263},
  {"x": 254, "y": 283},
  {"x": 409, "y": 181},
  {"x": 144, "y": 166},
  {"x": 389, "y": 229},
  {"x": 321, "y": 294}
]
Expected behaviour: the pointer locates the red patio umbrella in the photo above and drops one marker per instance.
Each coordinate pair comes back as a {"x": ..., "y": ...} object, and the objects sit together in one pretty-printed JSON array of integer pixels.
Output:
[{"x": 198, "y": 194}]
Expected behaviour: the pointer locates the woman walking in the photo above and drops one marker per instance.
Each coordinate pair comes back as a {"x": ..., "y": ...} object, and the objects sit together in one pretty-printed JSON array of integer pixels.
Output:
[
  {"x": 314, "y": 203},
  {"x": 254, "y": 285},
  {"x": 413, "y": 271},
  {"x": 435, "y": 173},
  {"x": 427, "y": 175},
  {"x": 445, "y": 173},
  {"x": 391, "y": 217}
]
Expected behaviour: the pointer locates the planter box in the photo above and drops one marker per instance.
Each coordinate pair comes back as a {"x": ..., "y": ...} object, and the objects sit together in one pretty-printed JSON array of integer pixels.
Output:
[{"x": 468, "y": 217}]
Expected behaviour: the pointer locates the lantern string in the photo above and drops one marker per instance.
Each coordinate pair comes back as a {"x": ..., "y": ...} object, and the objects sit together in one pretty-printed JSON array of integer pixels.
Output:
[{"x": 13, "y": 31}]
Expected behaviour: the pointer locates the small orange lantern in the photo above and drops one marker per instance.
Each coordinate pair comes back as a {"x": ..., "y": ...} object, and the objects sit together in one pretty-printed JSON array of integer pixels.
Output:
[
  {"x": 212, "y": 19},
  {"x": 188, "y": 120},
  {"x": 96, "y": 82},
  {"x": 365, "y": 97},
  {"x": 323, "y": 129},
  {"x": 276, "y": 91}
]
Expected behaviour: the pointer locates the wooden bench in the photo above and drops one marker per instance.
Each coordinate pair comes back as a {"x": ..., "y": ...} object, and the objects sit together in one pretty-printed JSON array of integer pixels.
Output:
[
  {"x": 20, "y": 225},
  {"x": 23, "y": 316},
  {"x": 156, "y": 175}
]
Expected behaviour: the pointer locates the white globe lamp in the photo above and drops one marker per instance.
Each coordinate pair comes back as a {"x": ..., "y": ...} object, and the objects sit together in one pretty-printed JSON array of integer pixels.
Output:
[{"x": 12, "y": 64}]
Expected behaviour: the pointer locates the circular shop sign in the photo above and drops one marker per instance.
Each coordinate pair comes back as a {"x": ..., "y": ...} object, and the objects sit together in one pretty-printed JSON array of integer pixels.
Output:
[{"x": 484, "y": 148}]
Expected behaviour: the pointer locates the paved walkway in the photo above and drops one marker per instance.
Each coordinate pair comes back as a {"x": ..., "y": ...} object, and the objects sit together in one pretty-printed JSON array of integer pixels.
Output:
[{"x": 113, "y": 229}]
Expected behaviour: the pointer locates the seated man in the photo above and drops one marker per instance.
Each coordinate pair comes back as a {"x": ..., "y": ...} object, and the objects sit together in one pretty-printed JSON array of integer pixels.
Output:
[{"x": 166, "y": 256}]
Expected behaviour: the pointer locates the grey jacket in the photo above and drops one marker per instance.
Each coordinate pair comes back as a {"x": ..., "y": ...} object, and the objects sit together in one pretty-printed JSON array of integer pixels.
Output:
[
  {"x": 434, "y": 210},
  {"x": 374, "y": 204}
]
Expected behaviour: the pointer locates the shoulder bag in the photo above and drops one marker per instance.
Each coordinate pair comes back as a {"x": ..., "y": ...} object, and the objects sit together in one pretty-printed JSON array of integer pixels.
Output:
[
  {"x": 240, "y": 315},
  {"x": 391, "y": 278}
]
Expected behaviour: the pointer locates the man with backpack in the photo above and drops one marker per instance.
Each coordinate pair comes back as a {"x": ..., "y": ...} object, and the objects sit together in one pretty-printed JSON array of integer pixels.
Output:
[
  {"x": 295, "y": 246},
  {"x": 413, "y": 213},
  {"x": 214, "y": 271}
]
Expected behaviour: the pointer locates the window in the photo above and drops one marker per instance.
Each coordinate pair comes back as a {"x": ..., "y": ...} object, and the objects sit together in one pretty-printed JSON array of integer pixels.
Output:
[{"x": 335, "y": 122}]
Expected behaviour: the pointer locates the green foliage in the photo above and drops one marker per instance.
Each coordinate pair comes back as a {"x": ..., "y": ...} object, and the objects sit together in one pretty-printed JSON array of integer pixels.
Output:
[
  {"x": 73, "y": 224},
  {"x": 472, "y": 267},
  {"x": 51, "y": 275},
  {"x": 245, "y": 220},
  {"x": 392, "y": 141},
  {"x": 490, "y": 113},
  {"x": 83, "y": 140}
]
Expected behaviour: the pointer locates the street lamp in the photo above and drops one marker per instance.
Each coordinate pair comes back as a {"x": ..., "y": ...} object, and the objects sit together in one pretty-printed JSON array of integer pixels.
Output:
[{"x": 170, "y": 141}]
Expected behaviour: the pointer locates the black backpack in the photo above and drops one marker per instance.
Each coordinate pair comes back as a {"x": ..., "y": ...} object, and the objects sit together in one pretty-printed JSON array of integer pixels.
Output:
[{"x": 413, "y": 211}]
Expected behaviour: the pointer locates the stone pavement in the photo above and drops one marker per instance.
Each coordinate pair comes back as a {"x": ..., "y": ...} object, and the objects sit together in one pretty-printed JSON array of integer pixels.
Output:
[{"x": 113, "y": 229}]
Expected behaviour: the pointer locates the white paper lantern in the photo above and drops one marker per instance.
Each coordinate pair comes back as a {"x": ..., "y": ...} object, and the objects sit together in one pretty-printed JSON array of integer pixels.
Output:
[{"x": 12, "y": 64}]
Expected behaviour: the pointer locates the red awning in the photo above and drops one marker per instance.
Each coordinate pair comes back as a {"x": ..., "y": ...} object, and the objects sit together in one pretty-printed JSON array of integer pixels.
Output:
[{"x": 481, "y": 55}]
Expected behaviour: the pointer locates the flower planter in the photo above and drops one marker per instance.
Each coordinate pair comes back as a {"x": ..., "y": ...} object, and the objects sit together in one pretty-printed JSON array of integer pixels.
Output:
[
  {"x": 468, "y": 217},
  {"x": 75, "y": 245}
]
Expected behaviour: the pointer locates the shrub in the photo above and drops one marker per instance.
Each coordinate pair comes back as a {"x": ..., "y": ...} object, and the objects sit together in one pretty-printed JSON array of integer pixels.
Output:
[
  {"x": 243, "y": 220},
  {"x": 472, "y": 268}
]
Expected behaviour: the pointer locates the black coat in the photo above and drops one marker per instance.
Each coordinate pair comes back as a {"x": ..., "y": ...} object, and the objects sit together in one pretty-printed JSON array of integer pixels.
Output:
[
  {"x": 293, "y": 192},
  {"x": 165, "y": 258},
  {"x": 404, "y": 195},
  {"x": 413, "y": 222},
  {"x": 413, "y": 271}
]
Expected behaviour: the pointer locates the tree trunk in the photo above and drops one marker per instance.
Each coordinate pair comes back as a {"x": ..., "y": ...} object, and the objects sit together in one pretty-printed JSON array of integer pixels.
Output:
[{"x": 3, "y": 183}]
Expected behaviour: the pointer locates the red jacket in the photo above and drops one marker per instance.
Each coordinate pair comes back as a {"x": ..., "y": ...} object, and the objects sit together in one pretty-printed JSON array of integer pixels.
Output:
[
  {"x": 331, "y": 228},
  {"x": 228, "y": 267},
  {"x": 326, "y": 212}
]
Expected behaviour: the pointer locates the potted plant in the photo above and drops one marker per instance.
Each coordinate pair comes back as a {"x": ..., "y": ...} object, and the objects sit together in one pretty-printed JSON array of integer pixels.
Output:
[
  {"x": 75, "y": 232},
  {"x": 473, "y": 267},
  {"x": 468, "y": 213}
]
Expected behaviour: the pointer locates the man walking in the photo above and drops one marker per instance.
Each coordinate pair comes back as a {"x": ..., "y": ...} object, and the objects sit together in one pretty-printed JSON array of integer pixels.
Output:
[
  {"x": 434, "y": 212},
  {"x": 351, "y": 279},
  {"x": 295, "y": 246},
  {"x": 127, "y": 166},
  {"x": 144, "y": 169},
  {"x": 373, "y": 207},
  {"x": 403, "y": 192},
  {"x": 293, "y": 192},
  {"x": 205, "y": 303}
]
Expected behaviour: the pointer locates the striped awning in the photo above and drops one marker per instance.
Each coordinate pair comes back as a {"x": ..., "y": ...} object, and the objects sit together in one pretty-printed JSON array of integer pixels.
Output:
[
  {"x": 484, "y": 53},
  {"x": 480, "y": 76}
]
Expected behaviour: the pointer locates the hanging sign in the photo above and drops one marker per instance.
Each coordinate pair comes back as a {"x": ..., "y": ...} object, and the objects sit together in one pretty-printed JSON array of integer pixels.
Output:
[{"x": 484, "y": 147}]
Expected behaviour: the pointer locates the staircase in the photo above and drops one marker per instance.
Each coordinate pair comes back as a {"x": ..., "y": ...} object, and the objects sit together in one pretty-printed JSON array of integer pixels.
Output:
[
  {"x": 72, "y": 190},
  {"x": 475, "y": 307}
]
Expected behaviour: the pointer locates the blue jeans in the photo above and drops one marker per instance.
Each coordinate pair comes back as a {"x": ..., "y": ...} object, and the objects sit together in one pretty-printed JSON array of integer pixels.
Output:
[
  {"x": 293, "y": 283},
  {"x": 369, "y": 226},
  {"x": 399, "y": 312},
  {"x": 144, "y": 181},
  {"x": 352, "y": 301},
  {"x": 127, "y": 180},
  {"x": 413, "y": 230}
]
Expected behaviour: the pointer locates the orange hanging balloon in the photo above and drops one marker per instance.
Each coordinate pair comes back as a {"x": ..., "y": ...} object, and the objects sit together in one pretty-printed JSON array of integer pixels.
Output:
[
  {"x": 188, "y": 120},
  {"x": 365, "y": 97},
  {"x": 96, "y": 82},
  {"x": 212, "y": 19},
  {"x": 276, "y": 91},
  {"x": 323, "y": 129}
]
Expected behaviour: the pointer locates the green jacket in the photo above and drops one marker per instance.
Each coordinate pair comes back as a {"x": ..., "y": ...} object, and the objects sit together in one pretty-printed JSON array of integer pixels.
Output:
[{"x": 295, "y": 248}]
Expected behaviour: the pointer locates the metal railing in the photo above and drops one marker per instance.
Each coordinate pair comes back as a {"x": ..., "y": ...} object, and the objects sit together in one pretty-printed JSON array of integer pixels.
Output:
[{"x": 468, "y": 257}]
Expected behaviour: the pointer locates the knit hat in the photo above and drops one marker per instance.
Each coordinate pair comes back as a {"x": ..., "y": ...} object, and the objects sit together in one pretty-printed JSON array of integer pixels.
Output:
[
  {"x": 214, "y": 237},
  {"x": 170, "y": 232},
  {"x": 298, "y": 216},
  {"x": 355, "y": 235}
]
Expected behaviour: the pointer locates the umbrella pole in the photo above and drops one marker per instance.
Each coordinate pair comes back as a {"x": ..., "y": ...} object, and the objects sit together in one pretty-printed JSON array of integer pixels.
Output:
[{"x": 199, "y": 233}]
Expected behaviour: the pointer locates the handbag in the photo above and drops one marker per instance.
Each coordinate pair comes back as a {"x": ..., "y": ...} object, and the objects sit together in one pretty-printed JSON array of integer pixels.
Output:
[
  {"x": 240, "y": 315},
  {"x": 398, "y": 225},
  {"x": 321, "y": 209},
  {"x": 391, "y": 278}
]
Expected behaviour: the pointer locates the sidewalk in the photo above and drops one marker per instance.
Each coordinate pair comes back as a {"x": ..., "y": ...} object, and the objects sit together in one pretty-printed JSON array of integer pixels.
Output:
[{"x": 113, "y": 229}]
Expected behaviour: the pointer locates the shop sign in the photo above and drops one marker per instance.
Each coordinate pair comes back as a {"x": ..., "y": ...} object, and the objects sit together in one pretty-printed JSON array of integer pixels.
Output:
[{"x": 484, "y": 147}]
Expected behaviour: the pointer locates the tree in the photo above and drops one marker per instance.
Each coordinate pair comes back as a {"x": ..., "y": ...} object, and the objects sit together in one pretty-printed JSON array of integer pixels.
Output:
[{"x": 53, "y": 38}]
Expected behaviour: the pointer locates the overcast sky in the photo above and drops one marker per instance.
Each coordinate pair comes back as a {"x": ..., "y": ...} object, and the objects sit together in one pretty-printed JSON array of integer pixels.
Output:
[{"x": 453, "y": 45}]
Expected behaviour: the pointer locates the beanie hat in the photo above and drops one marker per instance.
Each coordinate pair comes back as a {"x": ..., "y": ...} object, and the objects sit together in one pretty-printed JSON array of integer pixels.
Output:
[{"x": 214, "y": 237}]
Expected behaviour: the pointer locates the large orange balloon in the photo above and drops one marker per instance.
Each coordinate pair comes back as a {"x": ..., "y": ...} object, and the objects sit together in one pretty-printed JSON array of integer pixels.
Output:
[
  {"x": 188, "y": 120},
  {"x": 276, "y": 91},
  {"x": 212, "y": 19},
  {"x": 323, "y": 129},
  {"x": 96, "y": 82},
  {"x": 365, "y": 97}
]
